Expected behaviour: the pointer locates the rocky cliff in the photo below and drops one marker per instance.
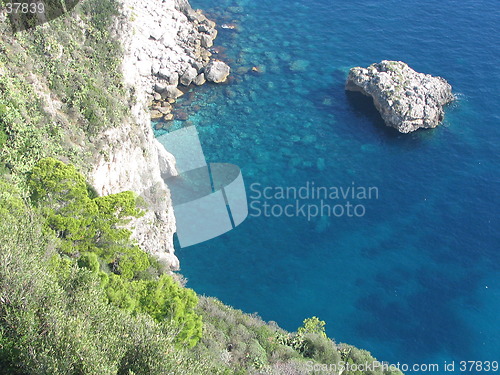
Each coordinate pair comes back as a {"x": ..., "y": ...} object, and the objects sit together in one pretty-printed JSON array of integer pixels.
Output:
[
  {"x": 407, "y": 100},
  {"x": 165, "y": 50}
]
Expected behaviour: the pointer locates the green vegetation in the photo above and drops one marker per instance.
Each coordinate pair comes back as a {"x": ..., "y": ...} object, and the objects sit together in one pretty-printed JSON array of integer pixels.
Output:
[
  {"x": 60, "y": 85},
  {"x": 58, "y": 321},
  {"x": 90, "y": 231},
  {"x": 161, "y": 299},
  {"x": 247, "y": 345},
  {"x": 85, "y": 224}
]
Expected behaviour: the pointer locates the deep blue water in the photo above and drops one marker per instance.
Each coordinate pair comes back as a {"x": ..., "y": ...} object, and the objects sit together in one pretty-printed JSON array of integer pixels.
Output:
[{"x": 416, "y": 279}]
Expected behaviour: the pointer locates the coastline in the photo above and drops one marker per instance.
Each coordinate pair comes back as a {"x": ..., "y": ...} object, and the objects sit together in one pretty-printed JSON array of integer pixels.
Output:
[{"x": 163, "y": 43}]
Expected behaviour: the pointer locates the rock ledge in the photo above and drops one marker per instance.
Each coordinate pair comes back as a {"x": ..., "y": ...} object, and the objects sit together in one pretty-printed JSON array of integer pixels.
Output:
[{"x": 406, "y": 99}]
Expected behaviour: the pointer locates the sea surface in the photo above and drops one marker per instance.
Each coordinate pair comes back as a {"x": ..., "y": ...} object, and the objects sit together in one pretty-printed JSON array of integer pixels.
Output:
[{"x": 416, "y": 278}]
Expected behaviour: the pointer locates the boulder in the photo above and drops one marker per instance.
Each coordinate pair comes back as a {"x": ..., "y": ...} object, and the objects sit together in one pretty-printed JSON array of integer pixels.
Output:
[
  {"x": 172, "y": 78},
  {"x": 155, "y": 114},
  {"x": 155, "y": 67},
  {"x": 156, "y": 33},
  {"x": 188, "y": 76},
  {"x": 407, "y": 100},
  {"x": 164, "y": 110},
  {"x": 144, "y": 68},
  {"x": 217, "y": 71},
  {"x": 206, "y": 41},
  {"x": 203, "y": 29},
  {"x": 211, "y": 24},
  {"x": 199, "y": 80},
  {"x": 167, "y": 105},
  {"x": 198, "y": 65},
  {"x": 160, "y": 87}
]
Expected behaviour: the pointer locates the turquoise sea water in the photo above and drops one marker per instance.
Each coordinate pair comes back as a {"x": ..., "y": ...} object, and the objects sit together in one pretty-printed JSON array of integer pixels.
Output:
[{"x": 416, "y": 279}]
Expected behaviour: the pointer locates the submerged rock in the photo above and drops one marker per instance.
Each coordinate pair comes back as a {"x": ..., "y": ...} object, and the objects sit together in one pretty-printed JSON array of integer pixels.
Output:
[
  {"x": 299, "y": 65},
  {"x": 406, "y": 99}
]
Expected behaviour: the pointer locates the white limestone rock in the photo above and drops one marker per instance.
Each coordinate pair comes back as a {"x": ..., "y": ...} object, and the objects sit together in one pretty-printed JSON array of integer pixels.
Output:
[
  {"x": 407, "y": 100},
  {"x": 217, "y": 71}
]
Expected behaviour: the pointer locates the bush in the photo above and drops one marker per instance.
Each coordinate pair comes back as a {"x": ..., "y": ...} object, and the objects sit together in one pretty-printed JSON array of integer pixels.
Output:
[
  {"x": 60, "y": 86},
  {"x": 320, "y": 348},
  {"x": 89, "y": 229},
  {"x": 162, "y": 299}
]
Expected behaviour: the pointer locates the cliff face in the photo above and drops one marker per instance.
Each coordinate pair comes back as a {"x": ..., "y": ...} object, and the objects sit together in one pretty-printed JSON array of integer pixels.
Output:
[
  {"x": 162, "y": 40},
  {"x": 135, "y": 161}
]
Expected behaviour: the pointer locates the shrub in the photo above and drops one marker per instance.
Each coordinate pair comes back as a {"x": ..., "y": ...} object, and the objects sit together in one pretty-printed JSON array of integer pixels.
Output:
[
  {"x": 312, "y": 325},
  {"x": 162, "y": 299}
]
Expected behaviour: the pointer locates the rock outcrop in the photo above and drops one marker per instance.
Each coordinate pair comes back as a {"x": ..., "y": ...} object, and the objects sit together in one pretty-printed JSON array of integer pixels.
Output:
[
  {"x": 407, "y": 100},
  {"x": 131, "y": 159}
]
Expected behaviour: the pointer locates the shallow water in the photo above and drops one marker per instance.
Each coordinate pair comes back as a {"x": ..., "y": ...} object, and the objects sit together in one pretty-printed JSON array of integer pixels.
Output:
[{"x": 416, "y": 279}]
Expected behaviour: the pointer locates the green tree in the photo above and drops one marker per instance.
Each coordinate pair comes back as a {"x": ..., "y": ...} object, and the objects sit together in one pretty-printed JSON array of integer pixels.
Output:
[
  {"x": 56, "y": 319},
  {"x": 312, "y": 325},
  {"x": 91, "y": 229},
  {"x": 83, "y": 223}
]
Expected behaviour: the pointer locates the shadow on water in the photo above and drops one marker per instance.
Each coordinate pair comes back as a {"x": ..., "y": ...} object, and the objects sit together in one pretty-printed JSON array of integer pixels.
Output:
[
  {"x": 362, "y": 106},
  {"x": 357, "y": 116},
  {"x": 353, "y": 110}
]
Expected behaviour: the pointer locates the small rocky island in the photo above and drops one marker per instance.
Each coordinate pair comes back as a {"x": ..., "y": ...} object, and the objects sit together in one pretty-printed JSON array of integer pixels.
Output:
[{"x": 406, "y": 99}]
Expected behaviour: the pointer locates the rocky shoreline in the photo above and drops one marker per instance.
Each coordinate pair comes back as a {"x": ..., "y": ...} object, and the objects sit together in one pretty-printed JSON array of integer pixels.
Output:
[
  {"x": 170, "y": 50},
  {"x": 406, "y": 100}
]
